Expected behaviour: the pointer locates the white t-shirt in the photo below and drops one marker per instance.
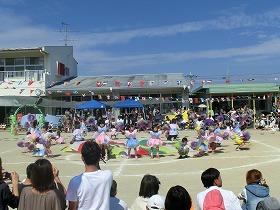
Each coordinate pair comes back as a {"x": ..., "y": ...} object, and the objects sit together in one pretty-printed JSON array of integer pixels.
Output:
[
  {"x": 173, "y": 129},
  {"x": 78, "y": 135},
  {"x": 231, "y": 202},
  {"x": 117, "y": 204},
  {"x": 91, "y": 190},
  {"x": 140, "y": 203}
]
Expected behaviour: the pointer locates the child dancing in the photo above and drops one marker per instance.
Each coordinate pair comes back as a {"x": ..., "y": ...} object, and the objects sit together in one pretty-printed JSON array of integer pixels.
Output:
[
  {"x": 131, "y": 142},
  {"x": 173, "y": 130},
  {"x": 102, "y": 139},
  {"x": 155, "y": 141}
]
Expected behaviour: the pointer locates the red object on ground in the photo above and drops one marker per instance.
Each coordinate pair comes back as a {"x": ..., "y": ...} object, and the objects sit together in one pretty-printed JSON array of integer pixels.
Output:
[{"x": 142, "y": 151}]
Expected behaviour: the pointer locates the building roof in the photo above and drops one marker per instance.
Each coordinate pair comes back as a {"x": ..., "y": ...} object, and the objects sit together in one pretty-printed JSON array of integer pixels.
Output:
[
  {"x": 17, "y": 101},
  {"x": 122, "y": 82},
  {"x": 20, "y": 49},
  {"x": 237, "y": 88}
]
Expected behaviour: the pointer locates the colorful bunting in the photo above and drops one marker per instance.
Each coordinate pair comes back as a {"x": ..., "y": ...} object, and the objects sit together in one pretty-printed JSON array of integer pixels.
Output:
[
  {"x": 30, "y": 82},
  {"x": 151, "y": 83},
  {"x": 117, "y": 83},
  {"x": 21, "y": 91},
  {"x": 99, "y": 84},
  {"x": 142, "y": 83},
  {"x": 129, "y": 84}
]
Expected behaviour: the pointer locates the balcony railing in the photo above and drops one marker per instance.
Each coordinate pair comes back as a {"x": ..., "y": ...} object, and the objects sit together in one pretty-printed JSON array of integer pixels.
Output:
[{"x": 35, "y": 75}]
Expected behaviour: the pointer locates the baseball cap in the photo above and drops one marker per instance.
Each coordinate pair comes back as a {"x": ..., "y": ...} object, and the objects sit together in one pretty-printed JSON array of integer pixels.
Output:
[
  {"x": 269, "y": 203},
  {"x": 156, "y": 202}
]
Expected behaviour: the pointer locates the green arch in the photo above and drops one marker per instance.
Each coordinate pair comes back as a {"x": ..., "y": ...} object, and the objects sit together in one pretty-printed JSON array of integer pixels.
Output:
[{"x": 13, "y": 118}]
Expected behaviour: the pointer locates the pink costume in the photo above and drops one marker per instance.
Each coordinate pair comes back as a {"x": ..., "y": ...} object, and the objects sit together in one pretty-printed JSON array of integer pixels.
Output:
[
  {"x": 155, "y": 139},
  {"x": 101, "y": 137}
]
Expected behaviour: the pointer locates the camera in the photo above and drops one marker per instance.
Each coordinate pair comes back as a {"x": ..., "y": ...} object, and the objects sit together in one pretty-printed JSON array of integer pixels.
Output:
[{"x": 6, "y": 175}]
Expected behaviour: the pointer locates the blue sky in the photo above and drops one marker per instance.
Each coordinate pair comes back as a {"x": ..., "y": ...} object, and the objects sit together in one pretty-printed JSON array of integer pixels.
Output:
[{"x": 209, "y": 38}]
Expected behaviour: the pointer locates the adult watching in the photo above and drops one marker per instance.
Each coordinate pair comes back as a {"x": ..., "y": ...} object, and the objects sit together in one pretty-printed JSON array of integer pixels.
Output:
[{"x": 43, "y": 194}]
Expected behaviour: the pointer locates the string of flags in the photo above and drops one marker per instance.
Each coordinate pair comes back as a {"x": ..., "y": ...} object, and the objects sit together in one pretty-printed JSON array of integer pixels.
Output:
[
  {"x": 140, "y": 83},
  {"x": 149, "y": 98}
]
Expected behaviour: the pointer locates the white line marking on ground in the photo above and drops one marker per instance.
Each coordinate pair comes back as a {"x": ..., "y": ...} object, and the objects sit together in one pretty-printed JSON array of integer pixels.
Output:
[
  {"x": 79, "y": 162},
  {"x": 200, "y": 171},
  {"x": 8, "y": 151},
  {"x": 119, "y": 170},
  {"x": 68, "y": 157},
  {"x": 267, "y": 145}
]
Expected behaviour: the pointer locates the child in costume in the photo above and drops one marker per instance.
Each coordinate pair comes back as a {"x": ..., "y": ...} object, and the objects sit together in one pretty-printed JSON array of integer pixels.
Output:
[
  {"x": 173, "y": 130},
  {"x": 184, "y": 148},
  {"x": 84, "y": 128},
  {"x": 58, "y": 138},
  {"x": 201, "y": 144},
  {"x": 155, "y": 141},
  {"x": 32, "y": 137},
  {"x": 211, "y": 138},
  {"x": 102, "y": 139},
  {"x": 77, "y": 134},
  {"x": 131, "y": 142},
  {"x": 218, "y": 134},
  {"x": 113, "y": 132},
  {"x": 243, "y": 138},
  {"x": 45, "y": 141}
]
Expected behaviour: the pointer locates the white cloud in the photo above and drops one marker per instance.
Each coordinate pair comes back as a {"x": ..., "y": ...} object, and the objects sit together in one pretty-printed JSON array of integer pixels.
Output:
[
  {"x": 268, "y": 19},
  {"x": 17, "y": 31},
  {"x": 105, "y": 62}
]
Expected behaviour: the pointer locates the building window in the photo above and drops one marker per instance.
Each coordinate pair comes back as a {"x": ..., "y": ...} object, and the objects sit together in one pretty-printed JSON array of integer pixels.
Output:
[
  {"x": 34, "y": 67},
  {"x": 19, "y": 68},
  {"x": 10, "y": 68},
  {"x": 76, "y": 98},
  {"x": 2, "y": 61},
  {"x": 19, "y": 61},
  {"x": 36, "y": 61},
  {"x": 10, "y": 61}
]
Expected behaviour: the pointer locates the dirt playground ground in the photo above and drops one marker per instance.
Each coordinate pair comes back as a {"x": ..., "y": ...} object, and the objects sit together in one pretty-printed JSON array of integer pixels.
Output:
[{"x": 264, "y": 154}]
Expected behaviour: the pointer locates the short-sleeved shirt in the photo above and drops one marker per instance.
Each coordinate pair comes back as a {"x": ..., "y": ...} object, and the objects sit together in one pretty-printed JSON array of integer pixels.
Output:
[
  {"x": 231, "y": 202},
  {"x": 117, "y": 204},
  {"x": 51, "y": 200},
  {"x": 91, "y": 190},
  {"x": 173, "y": 129}
]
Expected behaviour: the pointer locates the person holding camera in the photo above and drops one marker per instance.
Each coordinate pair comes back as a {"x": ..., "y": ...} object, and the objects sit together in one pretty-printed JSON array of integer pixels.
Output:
[
  {"x": 44, "y": 194},
  {"x": 255, "y": 191},
  {"x": 8, "y": 198}
]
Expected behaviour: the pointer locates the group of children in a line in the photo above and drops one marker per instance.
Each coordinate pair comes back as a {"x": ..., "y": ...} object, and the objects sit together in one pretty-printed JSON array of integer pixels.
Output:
[{"x": 208, "y": 138}]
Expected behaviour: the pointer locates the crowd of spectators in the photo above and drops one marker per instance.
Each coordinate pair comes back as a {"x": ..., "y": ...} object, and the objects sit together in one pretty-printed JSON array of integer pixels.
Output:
[{"x": 95, "y": 189}]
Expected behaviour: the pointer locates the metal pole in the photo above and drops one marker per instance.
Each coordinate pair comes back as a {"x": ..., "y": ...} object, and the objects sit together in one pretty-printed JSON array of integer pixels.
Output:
[{"x": 254, "y": 110}]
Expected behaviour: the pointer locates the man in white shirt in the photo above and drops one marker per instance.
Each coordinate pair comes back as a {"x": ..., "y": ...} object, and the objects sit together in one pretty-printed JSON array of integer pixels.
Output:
[
  {"x": 91, "y": 189},
  {"x": 212, "y": 180}
]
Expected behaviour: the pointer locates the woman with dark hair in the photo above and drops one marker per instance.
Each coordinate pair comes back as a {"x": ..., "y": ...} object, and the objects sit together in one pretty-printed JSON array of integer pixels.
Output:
[
  {"x": 178, "y": 198},
  {"x": 43, "y": 194},
  {"x": 8, "y": 198},
  {"x": 149, "y": 187}
]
